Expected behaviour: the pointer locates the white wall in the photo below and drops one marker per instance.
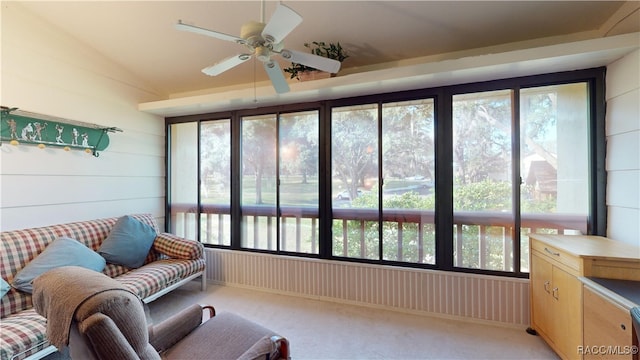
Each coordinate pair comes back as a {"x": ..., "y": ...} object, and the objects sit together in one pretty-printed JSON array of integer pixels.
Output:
[
  {"x": 45, "y": 71},
  {"x": 623, "y": 149}
]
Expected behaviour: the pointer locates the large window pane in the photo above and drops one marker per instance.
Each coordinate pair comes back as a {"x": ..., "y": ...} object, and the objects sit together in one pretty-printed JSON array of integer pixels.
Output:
[
  {"x": 259, "y": 182},
  {"x": 298, "y": 175},
  {"x": 215, "y": 182},
  {"x": 183, "y": 191},
  {"x": 554, "y": 122},
  {"x": 408, "y": 165},
  {"x": 482, "y": 186},
  {"x": 354, "y": 169}
]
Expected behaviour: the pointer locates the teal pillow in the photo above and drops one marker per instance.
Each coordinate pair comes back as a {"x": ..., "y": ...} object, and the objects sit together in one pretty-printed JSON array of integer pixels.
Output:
[
  {"x": 128, "y": 242},
  {"x": 61, "y": 252},
  {"x": 4, "y": 287}
]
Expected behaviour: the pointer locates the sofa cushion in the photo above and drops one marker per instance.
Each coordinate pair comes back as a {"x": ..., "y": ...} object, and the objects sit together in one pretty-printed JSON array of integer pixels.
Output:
[
  {"x": 128, "y": 243},
  {"x": 159, "y": 275},
  {"x": 22, "y": 333},
  {"x": 61, "y": 252}
]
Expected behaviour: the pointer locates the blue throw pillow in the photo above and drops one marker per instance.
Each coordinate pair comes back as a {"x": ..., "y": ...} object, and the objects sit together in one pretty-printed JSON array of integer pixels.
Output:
[
  {"x": 4, "y": 287},
  {"x": 128, "y": 242},
  {"x": 61, "y": 252}
]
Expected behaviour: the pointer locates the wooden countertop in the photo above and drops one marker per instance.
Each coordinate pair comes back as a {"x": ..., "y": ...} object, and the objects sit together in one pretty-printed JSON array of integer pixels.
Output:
[{"x": 587, "y": 246}]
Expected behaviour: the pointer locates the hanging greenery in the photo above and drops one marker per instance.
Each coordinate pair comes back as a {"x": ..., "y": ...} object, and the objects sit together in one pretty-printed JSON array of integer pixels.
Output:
[{"x": 320, "y": 48}]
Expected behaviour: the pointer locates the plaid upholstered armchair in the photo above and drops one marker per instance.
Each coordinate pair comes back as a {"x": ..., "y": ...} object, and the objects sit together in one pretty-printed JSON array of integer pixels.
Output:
[{"x": 100, "y": 319}]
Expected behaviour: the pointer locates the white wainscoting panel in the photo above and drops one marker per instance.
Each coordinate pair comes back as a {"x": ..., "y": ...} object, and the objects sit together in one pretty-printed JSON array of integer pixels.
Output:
[{"x": 470, "y": 296}]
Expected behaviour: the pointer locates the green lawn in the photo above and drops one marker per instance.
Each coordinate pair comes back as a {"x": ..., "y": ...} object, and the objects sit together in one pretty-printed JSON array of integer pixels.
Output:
[{"x": 293, "y": 191}]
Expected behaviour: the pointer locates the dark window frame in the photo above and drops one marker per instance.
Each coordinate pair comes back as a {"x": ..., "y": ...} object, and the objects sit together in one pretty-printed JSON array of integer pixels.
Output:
[{"x": 597, "y": 221}]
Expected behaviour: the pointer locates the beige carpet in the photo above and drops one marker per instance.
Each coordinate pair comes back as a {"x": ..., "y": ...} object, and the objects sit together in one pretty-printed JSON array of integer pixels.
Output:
[{"x": 327, "y": 330}]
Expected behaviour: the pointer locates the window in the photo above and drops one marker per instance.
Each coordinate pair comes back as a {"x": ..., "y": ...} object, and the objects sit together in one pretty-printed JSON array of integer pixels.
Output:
[
  {"x": 215, "y": 182},
  {"x": 183, "y": 186},
  {"x": 280, "y": 188},
  {"x": 554, "y": 161},
  {"x": 393, "y": 219},
  {"x": 299, "y": 148},
  {"x": 258, "y": 182},
  {"x": 482, "y": 188},
  {"x": 354, "y": 169},
  {"x": 454, "y": 178},
  {"x": 408, "y": 168}
]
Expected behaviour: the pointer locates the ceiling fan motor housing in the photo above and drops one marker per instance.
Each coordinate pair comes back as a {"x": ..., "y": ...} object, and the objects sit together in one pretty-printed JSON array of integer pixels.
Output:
[{"x": 252, "y": 33}]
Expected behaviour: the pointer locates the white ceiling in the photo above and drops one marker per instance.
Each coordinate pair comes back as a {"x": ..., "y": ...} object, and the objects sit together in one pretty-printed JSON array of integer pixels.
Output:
[{"x": 139, "y": 35}]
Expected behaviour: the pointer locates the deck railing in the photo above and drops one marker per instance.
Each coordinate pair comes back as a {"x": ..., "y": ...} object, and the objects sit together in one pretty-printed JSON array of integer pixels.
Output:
[{"x": 471, "y": 229}]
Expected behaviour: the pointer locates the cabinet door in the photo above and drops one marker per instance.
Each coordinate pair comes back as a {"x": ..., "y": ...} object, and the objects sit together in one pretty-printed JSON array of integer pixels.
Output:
[
  {"x": 607, "y": 328},
  {"x": 541, "y": 311},
  {"x": 566, "y": 294}
]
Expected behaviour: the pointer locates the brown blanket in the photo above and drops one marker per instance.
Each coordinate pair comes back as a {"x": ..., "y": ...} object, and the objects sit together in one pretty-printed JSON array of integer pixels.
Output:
[{"x": 59, "y": 292}]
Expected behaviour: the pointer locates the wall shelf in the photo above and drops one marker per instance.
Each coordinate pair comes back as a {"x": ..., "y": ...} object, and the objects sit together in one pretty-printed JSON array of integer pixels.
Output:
[{"x": 24, "y": 127}]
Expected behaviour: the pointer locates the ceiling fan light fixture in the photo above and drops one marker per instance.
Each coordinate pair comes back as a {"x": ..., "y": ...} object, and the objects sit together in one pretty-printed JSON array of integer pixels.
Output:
[{"x": 263, "y": 53}]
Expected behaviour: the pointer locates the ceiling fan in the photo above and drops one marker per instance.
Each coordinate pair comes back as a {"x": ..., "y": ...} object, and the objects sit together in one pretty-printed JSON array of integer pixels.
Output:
[{"x": 264, "y": 41}]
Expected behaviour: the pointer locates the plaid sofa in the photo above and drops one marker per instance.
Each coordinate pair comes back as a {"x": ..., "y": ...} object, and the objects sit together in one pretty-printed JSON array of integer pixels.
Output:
[{"x": 172, "y": 261}]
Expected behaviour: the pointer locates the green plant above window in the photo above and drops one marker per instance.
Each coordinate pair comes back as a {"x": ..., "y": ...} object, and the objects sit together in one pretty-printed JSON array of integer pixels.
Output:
[{"x": 320, "y": 48}]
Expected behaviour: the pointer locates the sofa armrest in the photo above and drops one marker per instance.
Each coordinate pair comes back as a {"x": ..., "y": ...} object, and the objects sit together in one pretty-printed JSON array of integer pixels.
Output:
[
  {"x": 178, "y": 248},
  {"x": 167, "y": 333}
]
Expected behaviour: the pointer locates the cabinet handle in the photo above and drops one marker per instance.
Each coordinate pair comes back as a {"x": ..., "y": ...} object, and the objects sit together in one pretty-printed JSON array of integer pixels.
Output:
[
  {"x": 551, "y": 252},
  {"x": 546, "y": 286},
  {"x": 555, "y": 293}
]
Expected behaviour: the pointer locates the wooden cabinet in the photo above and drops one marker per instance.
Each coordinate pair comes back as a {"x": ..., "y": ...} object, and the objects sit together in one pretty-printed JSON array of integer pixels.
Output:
[
  {"x": 607, "y": 328},
  {"x": 557, "y": 262},
  {"x": 540, "y": 285},
  {"x": 556, "y": 313}
]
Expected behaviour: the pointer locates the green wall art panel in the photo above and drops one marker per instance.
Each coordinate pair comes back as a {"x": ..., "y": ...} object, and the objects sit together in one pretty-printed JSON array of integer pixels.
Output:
[{"x": 21, "y": 127}]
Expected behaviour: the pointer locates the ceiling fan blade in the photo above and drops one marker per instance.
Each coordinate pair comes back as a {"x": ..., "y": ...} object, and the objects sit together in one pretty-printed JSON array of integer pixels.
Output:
[
  {"x": 314, "y": 61},
  {"x": 202, "y": 31},
  {"x": 277, "y": 77},
  {"x": 226, "y": 64},
  {"x": 282, "y": 22}
]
